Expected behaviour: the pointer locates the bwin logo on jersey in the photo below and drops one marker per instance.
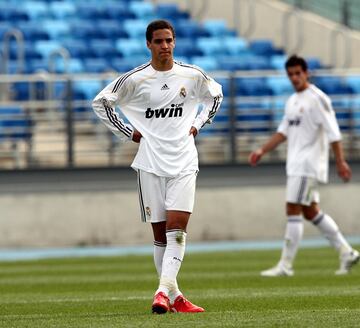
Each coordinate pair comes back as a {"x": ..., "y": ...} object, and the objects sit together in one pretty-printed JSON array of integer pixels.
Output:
[
  {"x": 295, "y": 122},
  {"x": 175, "y": 110}
]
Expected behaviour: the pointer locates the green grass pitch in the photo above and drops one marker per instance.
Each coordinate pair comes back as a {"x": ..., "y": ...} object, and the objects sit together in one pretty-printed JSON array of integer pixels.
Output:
[{"x": 117, "y": 292}]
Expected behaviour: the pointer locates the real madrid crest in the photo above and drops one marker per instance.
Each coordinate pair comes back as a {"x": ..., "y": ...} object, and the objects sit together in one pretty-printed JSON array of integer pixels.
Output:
[{"x": 183, "y": 92}]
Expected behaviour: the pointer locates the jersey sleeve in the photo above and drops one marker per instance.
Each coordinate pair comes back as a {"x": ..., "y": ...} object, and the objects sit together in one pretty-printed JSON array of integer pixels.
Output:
[
  {"x": 325, "y": 116},
  {"x": 116, "y": 93},
  {"x": 283, "y": 126},
  {"x": 210, "y": 96}
]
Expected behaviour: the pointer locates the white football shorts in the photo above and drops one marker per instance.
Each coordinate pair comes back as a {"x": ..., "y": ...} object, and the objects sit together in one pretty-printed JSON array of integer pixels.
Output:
[
  {"x": 160, "y": 194},
  {"x": 302, "y": 190}
]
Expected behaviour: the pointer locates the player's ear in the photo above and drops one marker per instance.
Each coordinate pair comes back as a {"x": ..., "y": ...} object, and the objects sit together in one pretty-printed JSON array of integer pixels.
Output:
[{"x": 148, "y": 44}]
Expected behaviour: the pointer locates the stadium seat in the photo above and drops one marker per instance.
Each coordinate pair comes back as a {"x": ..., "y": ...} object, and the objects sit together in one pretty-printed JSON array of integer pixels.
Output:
[
  {"x": 279, "y": 85},
  {"x": 36, "y": 10},
  {"x": 76, "y": 48},
  {"x": 30, "y": 51},
  {"x": 4, "y": 27},
  {"x": 96, "y": 65},
  {"x": 85, "y": 29},
  {"x": 135, "y": 28},
  {"x": 118, "y": 10},
  {"x": 46, "y": 47},
  {"x": 74, "y": 65},
  {"x": 188, "y": 28},
  {"x": 122, "y": 65},
  {"x": 89, "y": 89},
  {"x": 12, "y": 13},
  {"x": 235, "y": 46},
  {"x": 263, "y": 48},
  {"x": 332, "y": 85},
  {"x": 103, "y": 48},
  {"x": 90, "y": 11},
  {"x": 278, "y": 62},
  {"x": 32, "y": 31},
  {"x": 252, "y": 87},
  {"x": 56, "y": 29},
  {"x": 210, "y": 46},
  {"x": 216, "y": 27},
  {"x": 207, "y": 63},
  {"x": 14, "y": 124},
  {"x": 354, "y": 83},
  {"x": 185, "y": 47},
  {"x": 313, "y": 63},
  {"x": 170, "y": 11},
  {"x": 142, "y": 10},
  {"x": 62, "y": 9},
  {"x": 131, "y": 47},
  {"x": 111, "y": 29}
]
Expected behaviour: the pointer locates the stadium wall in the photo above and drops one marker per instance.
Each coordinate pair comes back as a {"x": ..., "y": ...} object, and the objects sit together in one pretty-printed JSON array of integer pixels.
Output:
[
  {"x": 55, "y": 219},
  {"x": 268, "y": 24}
]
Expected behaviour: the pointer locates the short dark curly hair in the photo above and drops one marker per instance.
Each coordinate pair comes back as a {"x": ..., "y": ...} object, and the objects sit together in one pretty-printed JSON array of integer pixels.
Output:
[
  {"x": 158, "y": 25},
  {"x": 295, "y": 60}
]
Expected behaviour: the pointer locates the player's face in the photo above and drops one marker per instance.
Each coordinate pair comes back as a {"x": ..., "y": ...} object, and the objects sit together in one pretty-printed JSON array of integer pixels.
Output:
[
  {"x": 298, "y": 77},
  {"x": 162, "y": 45}
]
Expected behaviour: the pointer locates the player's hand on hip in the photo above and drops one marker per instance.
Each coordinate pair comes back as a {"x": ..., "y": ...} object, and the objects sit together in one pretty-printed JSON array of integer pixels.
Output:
[
  {"x": 343, "y": 170},
  {"x": 255, "y": 156},
  {"x": 193, "y": 131},
  {"x": 136, "y": 136}
]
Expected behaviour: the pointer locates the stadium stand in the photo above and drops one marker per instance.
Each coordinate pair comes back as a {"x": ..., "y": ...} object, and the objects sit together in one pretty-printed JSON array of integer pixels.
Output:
[{"x": 110, "y": 38}]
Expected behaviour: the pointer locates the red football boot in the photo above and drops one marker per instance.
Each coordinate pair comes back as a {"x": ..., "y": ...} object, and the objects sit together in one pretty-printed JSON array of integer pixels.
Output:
[
  {"x": 161, "y": 303},
  {"x": 181, "y": 304}
]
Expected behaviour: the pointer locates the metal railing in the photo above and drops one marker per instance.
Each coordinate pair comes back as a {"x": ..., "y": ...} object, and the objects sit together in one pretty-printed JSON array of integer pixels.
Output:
[{"x": 57, "y": 128}]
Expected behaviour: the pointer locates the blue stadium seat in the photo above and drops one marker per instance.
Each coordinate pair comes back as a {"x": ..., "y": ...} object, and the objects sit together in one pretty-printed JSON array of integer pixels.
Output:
[
  {"x": 37, "y": 65},
  {"x": 216, "y": 27},
  {"x": 32, "y": 31},
  {"x": 170, "y": 11},
  {"x": 36, "y": 10},
  {"x": 225, "y": 83},
  {"x": 4, "y": 27},
  {"x": 96, "y": 65},
  {"x": 135, "y": 28},
  {"x": 46, "y": 47},
  {"x": 313, "y": 63},
  {"x": 90, "y": 11},
  {"x": 263, "y": 48},
  {"x": 12, "y": 13},
  {"x": 56, "y": 29},
  {"x": 142, "y": 10},
  {"x": 185, "y": 47},
  {"x": 243, "y": 62},
  {"x": 74, "y": 65},
  {"x": 87, "y": 89},
  {"x": 77, "y": 48},
  {"x": 207, "y": 63},
  {"x": 354, "y": 83},
  {"x": 14, "y": 124},
  {"x": 131, "y": 47},
  {"x": 103, "y": 48},
  {"x": 30, "y": 51},
  {"x": 210, "y": 46},
  {"x": 118, "y": 10},
  {"x": 62, "y": 9},
  {"x": 279, "y": 85},
  {"x": 235, "y": 46},
  {"x": 188, "y": 28},
  {"x": 126, "y": 64},
  {"x": 252, "y": 87},
  {"x": 332, "y": 85},
  {"x": 111, "y": 29},
  {"x": 278, "y": 62},
  {"x": 85, "y": 29}
]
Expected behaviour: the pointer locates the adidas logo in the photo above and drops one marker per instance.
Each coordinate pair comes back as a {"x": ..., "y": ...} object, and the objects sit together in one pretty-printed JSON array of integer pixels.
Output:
[{"x": 165, "y": 87}]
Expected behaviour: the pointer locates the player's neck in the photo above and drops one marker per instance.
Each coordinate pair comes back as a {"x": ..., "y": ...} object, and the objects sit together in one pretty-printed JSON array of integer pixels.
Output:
[
  {"x": 304, "y": 87},
  {"x": 165, "y": 65}
]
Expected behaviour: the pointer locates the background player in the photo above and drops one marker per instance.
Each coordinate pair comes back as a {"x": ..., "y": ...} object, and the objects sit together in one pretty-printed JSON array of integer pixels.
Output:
[
  {"x": 160, "y": 99},
  {"x": 309, "y": 125}
]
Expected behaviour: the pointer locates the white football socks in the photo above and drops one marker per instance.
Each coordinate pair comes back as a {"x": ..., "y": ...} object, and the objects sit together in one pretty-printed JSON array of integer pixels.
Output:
[
  {"x": 331, "y": 231},
  {"x": 172, "y": 259},
  {"x": 293, "y": 235},
  {"x": 159, "y": 250}
]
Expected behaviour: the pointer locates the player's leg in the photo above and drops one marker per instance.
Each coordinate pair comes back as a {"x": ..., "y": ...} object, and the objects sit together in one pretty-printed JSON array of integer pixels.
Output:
[
  {"x": 179, "y": 205},
  {"x": 151, "y": 189},
  {"x": 295, "y": 191},
  {"x": 328, "y": 227}
]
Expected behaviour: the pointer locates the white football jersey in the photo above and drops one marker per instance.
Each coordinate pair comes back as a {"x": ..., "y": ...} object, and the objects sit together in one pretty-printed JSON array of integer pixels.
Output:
[
  {"x": 310, "y": 125},
  {"x": 162, "y": 106}
]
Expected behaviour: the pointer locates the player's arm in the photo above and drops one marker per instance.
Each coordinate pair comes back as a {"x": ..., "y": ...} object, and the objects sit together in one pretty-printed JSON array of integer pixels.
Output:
[
  {"x": 325, "y": 115},
  {"x": 104, "y": 107},
  {"x": 342, "y": 167},
  {"x": 210, "y": 96},
  {"x": 276, "y": 139}
]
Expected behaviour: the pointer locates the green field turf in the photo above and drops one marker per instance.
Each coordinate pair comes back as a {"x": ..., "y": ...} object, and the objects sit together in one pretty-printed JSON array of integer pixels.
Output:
[{"x": 117, "y": 292}]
